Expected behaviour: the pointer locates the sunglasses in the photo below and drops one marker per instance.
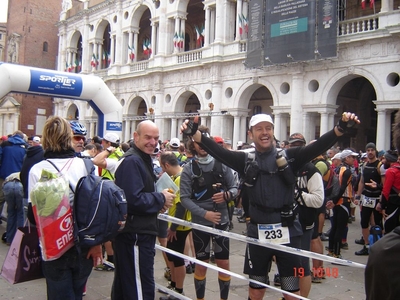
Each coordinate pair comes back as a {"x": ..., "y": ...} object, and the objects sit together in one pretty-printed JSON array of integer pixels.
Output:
[{"x": 78, "y": 138}]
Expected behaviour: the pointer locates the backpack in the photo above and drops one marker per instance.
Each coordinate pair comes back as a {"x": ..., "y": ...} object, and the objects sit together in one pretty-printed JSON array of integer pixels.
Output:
[
  {"x": 100, "y": 209},
  {"x": 307, "y": 214},
  {"x": 331, "y": 181},
  {"x": 375, "y": 233},
  {"x": 203, "y": 182}
]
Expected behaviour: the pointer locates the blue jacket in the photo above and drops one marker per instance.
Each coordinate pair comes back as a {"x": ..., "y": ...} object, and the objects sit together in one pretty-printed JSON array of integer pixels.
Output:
[{"x": 12, "y": 154}]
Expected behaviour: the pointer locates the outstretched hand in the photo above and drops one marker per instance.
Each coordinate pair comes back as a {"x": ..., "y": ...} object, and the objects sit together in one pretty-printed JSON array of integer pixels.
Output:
[
  {"x": 348, "y": 120},
  {"x": 190, "y": 127}
]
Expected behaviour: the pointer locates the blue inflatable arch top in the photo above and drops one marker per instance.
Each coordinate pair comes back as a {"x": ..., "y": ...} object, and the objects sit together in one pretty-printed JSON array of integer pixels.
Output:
[{"x": 23, "y": 79}]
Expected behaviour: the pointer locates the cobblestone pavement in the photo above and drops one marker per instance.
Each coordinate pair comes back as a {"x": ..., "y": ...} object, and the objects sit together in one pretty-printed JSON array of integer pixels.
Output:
[{"x": 349, "y": 284}]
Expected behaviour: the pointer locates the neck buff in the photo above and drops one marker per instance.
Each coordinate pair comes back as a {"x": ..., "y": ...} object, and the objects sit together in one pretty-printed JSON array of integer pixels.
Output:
[{"x": 205, "y": 160}]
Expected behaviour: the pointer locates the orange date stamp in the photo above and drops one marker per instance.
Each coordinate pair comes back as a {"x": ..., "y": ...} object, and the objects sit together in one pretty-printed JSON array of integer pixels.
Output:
[{"x": 318, "y": 272}]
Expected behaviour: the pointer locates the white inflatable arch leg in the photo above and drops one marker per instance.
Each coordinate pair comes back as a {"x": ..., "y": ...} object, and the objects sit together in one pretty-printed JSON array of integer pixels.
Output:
[{"x": 23, "y": 79}]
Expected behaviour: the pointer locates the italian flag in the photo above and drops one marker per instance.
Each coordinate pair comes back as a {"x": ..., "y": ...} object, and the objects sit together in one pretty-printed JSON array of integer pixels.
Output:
[
  {"x": 176, "y": 39},
  {"x": 93, "y": 61},
  {"x": 245, "y": 24},
  {"x": 131, "y": 53},
  {"x": 240, "y": 25}
]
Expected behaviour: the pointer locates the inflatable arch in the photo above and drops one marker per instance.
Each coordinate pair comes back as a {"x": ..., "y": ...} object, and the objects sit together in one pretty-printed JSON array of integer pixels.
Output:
[{"x": 23, "y": 79}]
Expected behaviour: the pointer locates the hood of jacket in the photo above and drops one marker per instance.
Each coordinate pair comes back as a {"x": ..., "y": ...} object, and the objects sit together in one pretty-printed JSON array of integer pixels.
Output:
[
  {"x": 32, "y": 151},
  {"x": 16, "y": 140}
]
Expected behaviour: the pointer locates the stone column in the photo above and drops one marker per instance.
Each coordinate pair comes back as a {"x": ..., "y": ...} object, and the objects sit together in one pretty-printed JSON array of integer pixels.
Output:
[
  {"x": 127, "y": 130},
  {"x": 296, "y": 111},
  {"x": 243, "y": 128},
  {"x": 219, "y": 24},
  {"x": 100, "y": 51},
  {"x": 112, "y": 53},
  {"x": 86, "y": 47},
  {"x": 174, "y": 128},
  {"x": 331, "y": 121},
  {"x": 2, "y": 125},
  {"x": 381, "y": 132},
  {"x": 163, "y": 30},
  {"x": 387, "y": 5},
  {"x": 278, "y": 126},
  {"x": 207, "y": 26},
  {"x": 16, "y": 121},
  {"x": 324, "y": 124},
  {"x": 135, "y": 42},
  {"x": 153, "y": 39},
  {"x": 216, "y": 121},
  {"x": 117, "y": 41},
  {"x": 306, "y": 125},
  {"x": 212, "y": 26},
  {"x": 236, "y": 131},
  {"x": 60, "y": 61}
]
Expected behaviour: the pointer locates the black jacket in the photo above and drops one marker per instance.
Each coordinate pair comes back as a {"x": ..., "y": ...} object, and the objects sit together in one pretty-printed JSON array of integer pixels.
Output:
[
  {"x": 32, "y": 157},
  {"x": 135, "y": 176}
]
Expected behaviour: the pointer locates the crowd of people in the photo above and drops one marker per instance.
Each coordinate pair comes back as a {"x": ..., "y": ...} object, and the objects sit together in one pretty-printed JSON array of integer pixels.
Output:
[{"x": 284, "y": 190}]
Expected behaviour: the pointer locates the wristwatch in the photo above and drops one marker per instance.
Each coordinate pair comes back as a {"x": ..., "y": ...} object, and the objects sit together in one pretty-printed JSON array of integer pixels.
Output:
[{"x": 109, "y": 150}]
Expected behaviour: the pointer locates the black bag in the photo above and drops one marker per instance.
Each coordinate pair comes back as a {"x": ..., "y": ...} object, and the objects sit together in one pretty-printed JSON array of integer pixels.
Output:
[
  {"x": 23, "y": 261},
  {"x": 100, "y": 209}
]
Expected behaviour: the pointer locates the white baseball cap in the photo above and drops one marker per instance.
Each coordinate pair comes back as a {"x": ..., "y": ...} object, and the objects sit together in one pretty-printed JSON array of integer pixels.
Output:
[
  {"x": 174, "y": 143},
  {"x": 337, "y": 156},
  {"x": 112, "y": 138},
  {"x": 36, "y": 139},
  {"x": 348, "y": 152},
  {"x": 260, "y": 118}
]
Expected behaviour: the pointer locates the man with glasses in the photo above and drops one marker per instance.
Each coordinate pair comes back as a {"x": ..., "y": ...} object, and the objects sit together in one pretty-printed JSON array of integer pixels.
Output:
[{"x": 79, "y": 138}]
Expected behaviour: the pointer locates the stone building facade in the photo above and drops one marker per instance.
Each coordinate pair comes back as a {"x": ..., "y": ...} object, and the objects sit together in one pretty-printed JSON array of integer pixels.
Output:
[
  {"x": 31, "y": 40},
  {"x": 166, "y": 60},
  {"x": 3, "y": 35}
]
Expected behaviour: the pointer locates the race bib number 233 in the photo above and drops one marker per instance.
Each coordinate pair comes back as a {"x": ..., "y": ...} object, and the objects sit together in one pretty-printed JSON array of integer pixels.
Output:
[{"x": 273, "y": 233}]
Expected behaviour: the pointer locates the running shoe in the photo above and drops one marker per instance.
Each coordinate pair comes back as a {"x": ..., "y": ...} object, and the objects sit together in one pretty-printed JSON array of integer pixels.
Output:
[
  {"x": 360, "y": 241},
  {"x": 363, "y": 251},
  {"x": 171, "y": 297},
  {"x": 316, "y": 279},
  {"x": 105, "y": 266},
  {"x": 344, "y": 246}
]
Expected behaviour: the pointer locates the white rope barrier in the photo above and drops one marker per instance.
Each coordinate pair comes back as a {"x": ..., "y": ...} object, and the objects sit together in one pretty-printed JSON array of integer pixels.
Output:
[
  {"x": 210, "y": 266},
  {"x": 257, "y": 242}
]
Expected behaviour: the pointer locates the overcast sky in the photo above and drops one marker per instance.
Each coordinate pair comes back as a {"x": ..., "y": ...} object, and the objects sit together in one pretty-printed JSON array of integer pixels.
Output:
[{"x": 3, "y": 10}]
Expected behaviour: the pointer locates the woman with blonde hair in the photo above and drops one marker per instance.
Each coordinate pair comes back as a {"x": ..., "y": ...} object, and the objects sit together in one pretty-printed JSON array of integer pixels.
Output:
[{"x": 66, "y": 276}]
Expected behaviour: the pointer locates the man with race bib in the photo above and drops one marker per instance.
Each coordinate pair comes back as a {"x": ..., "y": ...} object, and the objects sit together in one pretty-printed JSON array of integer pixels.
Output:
[{"x": 269, "y": 177}]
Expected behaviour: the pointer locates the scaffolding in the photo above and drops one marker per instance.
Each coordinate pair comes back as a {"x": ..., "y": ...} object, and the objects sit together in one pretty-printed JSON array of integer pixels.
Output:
[{"x": 149, "y": 116}]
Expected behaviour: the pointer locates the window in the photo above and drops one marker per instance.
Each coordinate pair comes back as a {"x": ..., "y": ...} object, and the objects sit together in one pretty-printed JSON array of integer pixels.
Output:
[{"x": 45, "y": 47}]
